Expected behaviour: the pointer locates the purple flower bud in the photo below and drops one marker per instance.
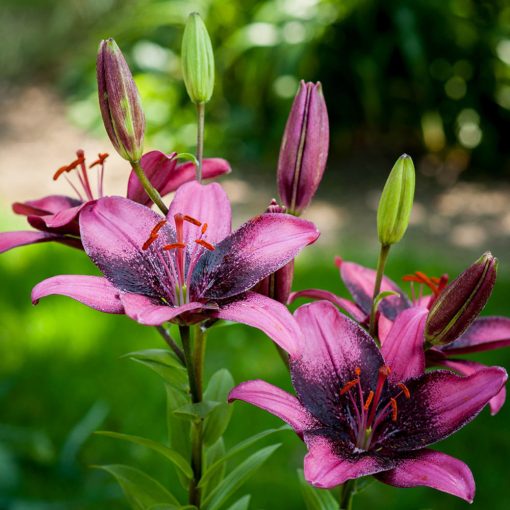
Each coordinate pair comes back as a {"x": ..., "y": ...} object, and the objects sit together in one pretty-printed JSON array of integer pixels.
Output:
[
  {"x": 119, "y": 101},
  {"x": 304, "y": 148},
  {"x": 278, "y": 284},
  {"x": 461, "y": 302}
]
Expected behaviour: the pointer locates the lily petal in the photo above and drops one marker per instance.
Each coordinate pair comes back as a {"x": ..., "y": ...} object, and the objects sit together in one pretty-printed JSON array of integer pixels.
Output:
[
  {"x": 206, "y": 203},
  {"x": 465, "y": 367},
  {"x": 441, "y": 403},
  {"x": 402, "y": 349},
  {"x": 348, "y": 306},
  {"x": 94, "y": 291},
  {"x": 266, "y": 314},
  {"x": 432, "y": 469},
  {"x": 113, "y": 231},
  {"x": 485, "y": 334},
  {"x": 51, "y": 204},
  {"x": 146, "y": 311},
  {"x": 260, "y": 247},
  {"x": 326, "y": 468},
  {"x": 10, "y": 240},
  {"x": 62, "y": 218},
  {"x": 360, "y": 281},
  {"x": 332, "y": 348},
  {"x": 276, "y": 401}
]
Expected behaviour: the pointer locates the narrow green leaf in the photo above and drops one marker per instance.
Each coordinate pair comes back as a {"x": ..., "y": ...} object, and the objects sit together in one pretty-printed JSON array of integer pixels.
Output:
[
  {"x": 316, "y": 499},
  {"x": 196, "y": 412},
  {"x": 176, "y": 458},
  {"x": 243, "y": 445},
  {"x": 241, "y": 504},
  {"x": 212, "y": 454},
  {"x": 172, "y": 507},
  {"x": 220, "y": 384},
  {"x": 165, "y": 364},
  {"x": 237, "y": 477},
  {"x": 141, "y": 490}
]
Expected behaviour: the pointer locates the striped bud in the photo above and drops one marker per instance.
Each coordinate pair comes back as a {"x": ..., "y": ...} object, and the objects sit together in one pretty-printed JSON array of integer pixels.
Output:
[
  {"x": 119, "y": 101},
  {"x": 396, "y": 202}
]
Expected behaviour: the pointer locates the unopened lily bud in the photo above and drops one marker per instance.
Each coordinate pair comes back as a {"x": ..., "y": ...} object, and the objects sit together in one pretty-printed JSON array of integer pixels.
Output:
[
  {"x": 279, "y": 284},
  {"x": 304, "y": 149},
  {"x": 461, "y": 302},
  {"x": 119, "y": 101},
  {"x": 197, "y": 60},
  {"x": 396, "y": 202}
]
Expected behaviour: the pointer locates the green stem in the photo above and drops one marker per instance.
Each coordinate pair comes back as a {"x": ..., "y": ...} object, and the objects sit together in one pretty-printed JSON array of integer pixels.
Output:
[
  {"x": 171, "y": 343},
  {"x": 200, "y": 138},
  {"x": 195, "y": 365},
  {"x": 148, "y": 187},
  {"x": 383, "y": 255},
  {"x": 346, "y": 495}
]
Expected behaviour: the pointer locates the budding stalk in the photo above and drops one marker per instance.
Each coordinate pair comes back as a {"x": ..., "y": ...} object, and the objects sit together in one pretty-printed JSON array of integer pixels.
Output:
[
  {"x": 119, "y": 102},
  {"x": 461, "y": 302},
  {"x": 304, "y": 148},
  {"x": 396, "y": 202}
]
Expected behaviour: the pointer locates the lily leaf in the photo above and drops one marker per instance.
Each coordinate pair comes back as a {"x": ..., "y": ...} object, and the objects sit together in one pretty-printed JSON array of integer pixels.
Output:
[
  {"x": 241, "y": 504},
  {"x": 196, "y": 412},
  {"x": 316, "y": 499},
  {"x": 237, "y": 477},
  {"x": 174, "y": 457},
  {"x": 243, "y": 445},
  {"x": 141, "y": 490},
  {"x": 214, "y": 453},
  {"x": 165, "y": 364}
]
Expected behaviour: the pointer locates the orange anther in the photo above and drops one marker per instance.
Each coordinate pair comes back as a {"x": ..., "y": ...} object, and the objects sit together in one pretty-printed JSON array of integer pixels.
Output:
[
  {"x": 149, "y": 242},
  {"x": 349, "y": 386},
  {"x": 369, "y": 400},
  {"x": 100, "y": 159},
  {"x": 205, "y": 244},
  {"x": 394, "y": 411},
  {"x": 192, "y": 220},
  {"x": 173, "y": 246},
  {"x": 405, "y": 389},
  {"x": 60, "y": 171},
  {"x": 385, "y": 371},
  {"x": 204, "y": 228},
  {"x": 157, "y": 228},
  {"x": 357, "y": 371}
]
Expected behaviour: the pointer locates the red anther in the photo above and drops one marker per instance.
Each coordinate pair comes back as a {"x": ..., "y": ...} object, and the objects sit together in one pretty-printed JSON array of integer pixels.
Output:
[
  {"x": 349, "y": 386},
  {"x": 192, "y": 220},
  {"x": 394, "y": 410},
  {"x": 405, "y": 389},
  {"x": 100, "y": 159},
  {"x": 60, "y": 171},
  {"x": 157, "y": 228},
  {"x": 149, "y": 242},
  {"x": 204, "y": 228},
  {"x": 357, "y": 371},
  {"x": 205, "y": 244},
  {"x": 369, "y": 400},
  {"x": 173, "y": 246}
]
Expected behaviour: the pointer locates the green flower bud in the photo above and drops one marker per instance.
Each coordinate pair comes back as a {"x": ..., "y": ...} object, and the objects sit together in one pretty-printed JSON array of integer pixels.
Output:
[
  {"x": 197, "y": 60},
  {"x": 396, "y": 202}
]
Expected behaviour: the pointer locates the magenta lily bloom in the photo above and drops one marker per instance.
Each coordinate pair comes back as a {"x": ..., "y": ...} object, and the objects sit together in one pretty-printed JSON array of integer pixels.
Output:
[
  {"x": 484, "y": 334},
  {"x": 186, "y": 268},
  {"x": 56, "y": 216},
  {"x": 364, "y": 411}
]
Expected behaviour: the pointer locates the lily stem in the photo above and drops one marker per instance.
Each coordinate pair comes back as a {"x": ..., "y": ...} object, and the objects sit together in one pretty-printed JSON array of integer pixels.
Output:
[
  {"x": 383, "y": 255},
  {"x": 171, "y": 343},
  {"x": 346, "y": 494},
  {"x": 148, "y": 187},
  {"x": 200, "y": 138},
  {"x": 194, "y": 365}
]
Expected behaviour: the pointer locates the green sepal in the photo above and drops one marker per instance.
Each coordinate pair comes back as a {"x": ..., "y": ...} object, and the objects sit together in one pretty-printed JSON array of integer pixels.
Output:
[
  {"x": 141, "y": 490},
  {"x": 237, "y": 477},
  {"x": 174, "y": 457},
  {"x": 316, "y": 499},
  {"x": 187, "y": 156}
]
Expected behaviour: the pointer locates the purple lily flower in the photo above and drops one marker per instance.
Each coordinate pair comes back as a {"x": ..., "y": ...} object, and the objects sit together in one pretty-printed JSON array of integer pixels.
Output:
[
  {"x": 484, "y": 334},
  {"x": 364, "y": 411},
  {"x": 188, "y": 267},
  {"x": 56, "y": 216}
]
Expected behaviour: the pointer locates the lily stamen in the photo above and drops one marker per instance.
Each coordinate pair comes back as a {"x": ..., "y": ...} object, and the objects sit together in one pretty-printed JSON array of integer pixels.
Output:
[
  {"x": 174, "y": 246},
  {"x": 205, "y": 244}
]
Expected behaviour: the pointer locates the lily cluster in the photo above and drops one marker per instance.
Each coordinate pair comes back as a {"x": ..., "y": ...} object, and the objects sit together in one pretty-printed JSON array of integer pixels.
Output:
[{"x": 369, "y": 397}]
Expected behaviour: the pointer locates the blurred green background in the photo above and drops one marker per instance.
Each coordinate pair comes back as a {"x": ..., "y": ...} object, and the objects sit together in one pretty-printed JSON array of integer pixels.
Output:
[{"x": 427, "y": 77}]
